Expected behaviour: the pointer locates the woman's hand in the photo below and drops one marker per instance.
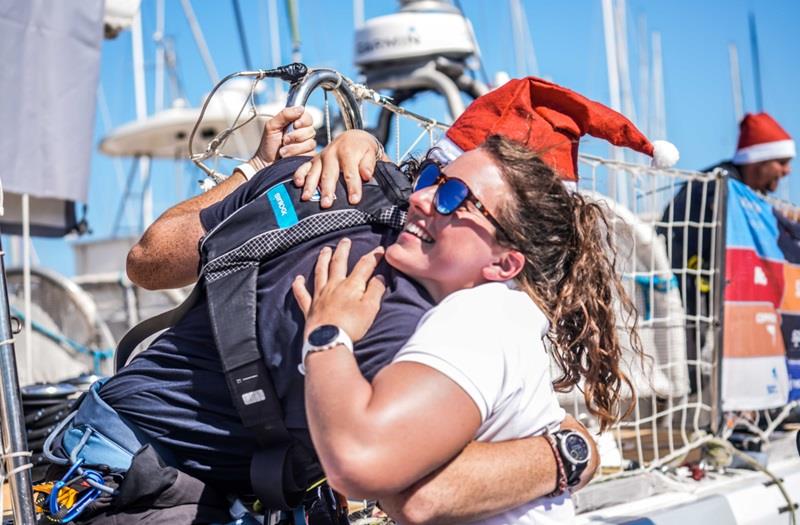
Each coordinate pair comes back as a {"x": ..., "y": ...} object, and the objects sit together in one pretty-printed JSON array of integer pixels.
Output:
[
  {"x": 354, "y": 153},
  {"x": 349, "y": 302}
]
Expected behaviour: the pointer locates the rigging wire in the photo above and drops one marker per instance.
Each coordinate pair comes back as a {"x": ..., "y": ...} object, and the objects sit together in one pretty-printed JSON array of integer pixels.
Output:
[
  {"x": 294, "y": 27},
  {"x": 237, "y": 12},
  {"x": 171, "y": 59},
  {"x": 481, "y": 66},
  {"x": 200, "y": 41}
]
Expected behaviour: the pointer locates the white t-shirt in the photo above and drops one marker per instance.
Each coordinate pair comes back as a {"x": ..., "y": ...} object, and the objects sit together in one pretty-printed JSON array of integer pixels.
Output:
[{"x": 489, "y": 340}]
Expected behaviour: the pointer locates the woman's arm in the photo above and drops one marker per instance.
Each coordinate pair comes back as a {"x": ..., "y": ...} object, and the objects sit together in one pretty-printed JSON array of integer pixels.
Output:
[
  {"x": 166, "y": 256},
  {"x": 374, "y": 439}
]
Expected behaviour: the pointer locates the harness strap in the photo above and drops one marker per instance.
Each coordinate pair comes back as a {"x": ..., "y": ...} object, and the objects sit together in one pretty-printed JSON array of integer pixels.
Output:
[
  {"x": 276, "y": 471},
  {"x": 148, "y": 327},
  {"x": 245, "y": 371}
]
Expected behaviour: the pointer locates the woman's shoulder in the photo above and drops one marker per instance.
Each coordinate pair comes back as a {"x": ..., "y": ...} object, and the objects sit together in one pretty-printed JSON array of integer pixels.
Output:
[
  {"x": 496, "y": 303},
  {"x": 492, "y": 294},
  {"x": 487, "y": 291}
]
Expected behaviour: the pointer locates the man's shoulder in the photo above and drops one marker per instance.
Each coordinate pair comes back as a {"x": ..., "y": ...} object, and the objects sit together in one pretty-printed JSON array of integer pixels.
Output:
[
  {"x": 726, "y": 165},
  {"x": 278, "y": 171}
]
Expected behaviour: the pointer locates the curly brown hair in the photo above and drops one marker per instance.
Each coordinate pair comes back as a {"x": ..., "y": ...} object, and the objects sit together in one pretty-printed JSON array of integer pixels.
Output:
[{"x": 570, "y": 274}]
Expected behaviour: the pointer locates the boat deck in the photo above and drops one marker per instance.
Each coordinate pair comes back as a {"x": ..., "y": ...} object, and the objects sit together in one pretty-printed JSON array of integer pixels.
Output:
[{"x": 735, "y": 495}]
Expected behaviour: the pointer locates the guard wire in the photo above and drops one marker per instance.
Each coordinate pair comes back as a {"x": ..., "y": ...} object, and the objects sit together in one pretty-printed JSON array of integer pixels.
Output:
[{"x": 288, "y": 73}]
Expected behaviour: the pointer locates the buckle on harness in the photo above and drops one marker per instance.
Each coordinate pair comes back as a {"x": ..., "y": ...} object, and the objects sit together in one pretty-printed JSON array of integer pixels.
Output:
[
  {"x": 65, "y": 499},
  {"x": 87, "y": 453},
  {"x": 320, "y": 505}
]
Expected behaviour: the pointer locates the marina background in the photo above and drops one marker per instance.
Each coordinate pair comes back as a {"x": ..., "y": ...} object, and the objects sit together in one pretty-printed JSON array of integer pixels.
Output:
[{"x": 566, "y": 46}]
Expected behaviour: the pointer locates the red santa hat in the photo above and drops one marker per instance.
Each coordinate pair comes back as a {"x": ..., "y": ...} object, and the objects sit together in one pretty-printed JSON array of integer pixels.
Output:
[
  {"x": 550, "y": 120},
  {"x": 762, "y": 138}
]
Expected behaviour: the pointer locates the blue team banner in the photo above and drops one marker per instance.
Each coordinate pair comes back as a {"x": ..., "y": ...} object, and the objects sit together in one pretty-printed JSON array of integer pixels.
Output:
[
  {"x": 762, "y": 305},
  {"x": 789, "y": 244},
  {"x": 751, "y": 222}
]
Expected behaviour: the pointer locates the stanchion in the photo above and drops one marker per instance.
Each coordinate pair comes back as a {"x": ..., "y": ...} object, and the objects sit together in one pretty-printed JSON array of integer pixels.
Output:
[
  {"x": 11, "y": 417},
  {"x": 721, "y": 195}
]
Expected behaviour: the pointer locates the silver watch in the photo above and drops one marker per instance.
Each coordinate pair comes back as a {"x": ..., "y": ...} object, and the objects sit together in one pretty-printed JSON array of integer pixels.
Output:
[{"x": 575, "y": 454}]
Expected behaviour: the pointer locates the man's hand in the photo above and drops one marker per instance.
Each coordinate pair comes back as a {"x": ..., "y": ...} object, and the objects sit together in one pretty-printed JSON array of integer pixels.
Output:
[
  {"x": 275, "y": 144},
  {"x": 353, "y": 153}
]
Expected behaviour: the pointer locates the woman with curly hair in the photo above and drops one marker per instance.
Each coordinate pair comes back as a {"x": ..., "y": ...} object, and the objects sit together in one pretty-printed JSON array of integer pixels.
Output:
[
  {"x": 518, "y": 265},
  {"x": 513, "y": 260}
]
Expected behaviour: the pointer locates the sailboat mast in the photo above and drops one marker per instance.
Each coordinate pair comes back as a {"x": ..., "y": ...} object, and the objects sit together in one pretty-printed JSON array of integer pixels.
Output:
[
  {"x": 275, "y": 44},
  {"x": 237, "y": 12},
  {"x": 140, "y": 90},
  {"x": 736, "y": 82},
  {"x": 611, "y": 55},
  {"x": 621, "y": 34},
  {"x": 756, "y": 62},
  {"x": 609, "y": 34},
  {"x": 159, "y": 73},
  {"x": 519, "y": 48},
  {"x": 644, "y": 76},
  {"x": 523, "y": 43},
  {"x": 294, "y": 26},
  {"x": 358, "y": 13},
  {"x": 659, "y": 126}
]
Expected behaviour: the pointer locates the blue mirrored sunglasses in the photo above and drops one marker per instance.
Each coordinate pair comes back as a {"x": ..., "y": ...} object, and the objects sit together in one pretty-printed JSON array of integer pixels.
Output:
[{"x": 451, "y": 193}]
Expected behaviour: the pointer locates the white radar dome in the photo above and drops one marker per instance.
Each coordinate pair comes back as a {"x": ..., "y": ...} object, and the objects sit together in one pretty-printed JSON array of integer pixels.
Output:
[{"x": 413, "y": 35}]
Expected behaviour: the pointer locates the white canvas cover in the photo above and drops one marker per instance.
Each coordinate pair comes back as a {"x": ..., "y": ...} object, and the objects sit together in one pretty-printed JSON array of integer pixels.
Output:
[{"x": 50, "y": 52}]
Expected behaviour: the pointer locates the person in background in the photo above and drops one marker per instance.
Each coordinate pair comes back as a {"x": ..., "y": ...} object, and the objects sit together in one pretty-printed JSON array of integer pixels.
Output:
[{"x": 763, "y": 156}]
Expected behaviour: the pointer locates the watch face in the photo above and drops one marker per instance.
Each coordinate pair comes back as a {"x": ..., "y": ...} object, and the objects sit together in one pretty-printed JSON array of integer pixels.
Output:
[
  {"x": 577, "y": 448},
  {"x": 323, "y": 335}
]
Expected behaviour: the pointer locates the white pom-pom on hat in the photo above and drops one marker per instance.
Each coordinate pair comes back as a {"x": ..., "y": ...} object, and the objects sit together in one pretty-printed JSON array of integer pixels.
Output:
[{"x": 665, "y": 154}]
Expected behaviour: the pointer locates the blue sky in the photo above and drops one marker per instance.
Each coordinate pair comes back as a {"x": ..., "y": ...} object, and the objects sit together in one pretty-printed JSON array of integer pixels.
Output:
[{"x": 568, "y": 40}]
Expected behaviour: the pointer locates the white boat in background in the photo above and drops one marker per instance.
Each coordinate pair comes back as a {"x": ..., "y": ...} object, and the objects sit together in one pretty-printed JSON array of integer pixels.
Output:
[{"x": 166, "y": 133}]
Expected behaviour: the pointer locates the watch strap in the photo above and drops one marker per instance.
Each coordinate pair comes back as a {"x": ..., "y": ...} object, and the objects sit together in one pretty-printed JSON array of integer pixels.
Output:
[
  {"x": 341, "y": 339},
  {"x": 246, "y": 169},
  {"x": 561, "y": 475}
]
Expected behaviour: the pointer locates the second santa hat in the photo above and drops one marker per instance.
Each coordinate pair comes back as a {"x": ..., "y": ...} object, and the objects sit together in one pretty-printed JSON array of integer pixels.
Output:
[
  {"x": 550, "y": 120},
  {"x": 762, "y": 138}
]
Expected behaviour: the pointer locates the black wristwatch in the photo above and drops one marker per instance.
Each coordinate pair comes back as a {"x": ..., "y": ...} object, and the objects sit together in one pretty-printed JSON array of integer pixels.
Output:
[{"x": 575, "y": 454}]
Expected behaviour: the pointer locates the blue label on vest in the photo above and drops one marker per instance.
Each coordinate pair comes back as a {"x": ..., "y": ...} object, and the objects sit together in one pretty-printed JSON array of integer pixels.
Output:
[{"x": 282, "y": 206}]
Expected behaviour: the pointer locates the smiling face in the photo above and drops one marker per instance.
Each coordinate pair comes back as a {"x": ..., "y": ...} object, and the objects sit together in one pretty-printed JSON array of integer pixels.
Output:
[
  {"x": 764, "y": 176},
  {"x": 446, "y": 253}
]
